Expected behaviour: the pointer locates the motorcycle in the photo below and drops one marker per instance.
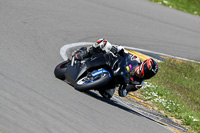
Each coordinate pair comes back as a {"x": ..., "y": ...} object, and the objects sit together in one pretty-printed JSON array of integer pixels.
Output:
[{"x": 102, "y": 72}]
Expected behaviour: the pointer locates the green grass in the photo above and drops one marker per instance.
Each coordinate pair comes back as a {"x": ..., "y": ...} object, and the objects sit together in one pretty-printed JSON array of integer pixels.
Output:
[
  {"x": 176, "y": 90},
  {"x": 189, "y": 6}
]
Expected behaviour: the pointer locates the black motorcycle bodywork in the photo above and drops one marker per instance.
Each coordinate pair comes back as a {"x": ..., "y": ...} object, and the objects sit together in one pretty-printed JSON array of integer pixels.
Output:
[{"x": 102, "y": 72}]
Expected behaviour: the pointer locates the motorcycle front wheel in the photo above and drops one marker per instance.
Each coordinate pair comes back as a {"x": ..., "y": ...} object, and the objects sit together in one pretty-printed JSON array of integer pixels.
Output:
[
  {"x": 85, "y": 83},
  {"x": 60, "y": 69}
]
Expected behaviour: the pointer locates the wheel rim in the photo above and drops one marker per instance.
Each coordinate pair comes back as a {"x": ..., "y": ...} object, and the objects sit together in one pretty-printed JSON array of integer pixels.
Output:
[
  {"x": 86, "y": 80},
  {"x": 83, "y": 80}
]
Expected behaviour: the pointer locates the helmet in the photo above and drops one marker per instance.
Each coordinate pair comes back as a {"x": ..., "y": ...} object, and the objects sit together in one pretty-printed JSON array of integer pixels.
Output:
[
  {"x": 147, "y": 69},
  {"x": 103, "y": 44}
]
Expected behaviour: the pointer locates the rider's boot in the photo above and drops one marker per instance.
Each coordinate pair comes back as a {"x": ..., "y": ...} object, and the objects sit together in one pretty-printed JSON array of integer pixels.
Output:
[{"x": 122, "y": 91}]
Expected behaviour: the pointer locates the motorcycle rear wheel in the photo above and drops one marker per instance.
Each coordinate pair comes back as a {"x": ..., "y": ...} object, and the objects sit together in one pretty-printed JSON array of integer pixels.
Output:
[
  {"x": 95, "y": 85},
  {"x": 60, "y": 69},
  {"x": 105, "y": 94}
]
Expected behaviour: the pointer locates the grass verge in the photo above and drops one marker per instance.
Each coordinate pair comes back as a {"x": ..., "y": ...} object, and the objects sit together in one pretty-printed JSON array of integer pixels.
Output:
[
  {"x": 176, "y": 91},
  {"x": 189, "y": 6}
]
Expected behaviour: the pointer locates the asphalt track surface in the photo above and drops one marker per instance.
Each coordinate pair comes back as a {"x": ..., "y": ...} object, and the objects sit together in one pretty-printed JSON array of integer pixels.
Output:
[{"x": 31, "y": 35}]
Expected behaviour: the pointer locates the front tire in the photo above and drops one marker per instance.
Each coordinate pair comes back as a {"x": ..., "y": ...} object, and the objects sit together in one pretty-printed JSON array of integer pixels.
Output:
[
  {"x": 97, "y": 84},
  {"x": 60, "y": 69}
]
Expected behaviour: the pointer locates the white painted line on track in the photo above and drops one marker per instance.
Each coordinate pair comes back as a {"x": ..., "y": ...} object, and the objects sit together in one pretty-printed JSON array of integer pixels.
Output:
[
  {"x": 158, "y": 53},
  {"x": 63, "y": 49}
]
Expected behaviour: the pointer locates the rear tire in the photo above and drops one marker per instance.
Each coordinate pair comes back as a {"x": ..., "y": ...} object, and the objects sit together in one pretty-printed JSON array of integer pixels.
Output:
[
  {"x": 104, "y": 94},
  {"x": 97, "y": 84},
  {"x": 60, "y": 69}
]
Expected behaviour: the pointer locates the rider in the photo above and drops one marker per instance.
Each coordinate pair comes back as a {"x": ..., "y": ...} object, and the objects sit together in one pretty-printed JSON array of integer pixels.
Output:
[
  {"x": 145, "y": 70},
  {"x": 137, "y": 75}
]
